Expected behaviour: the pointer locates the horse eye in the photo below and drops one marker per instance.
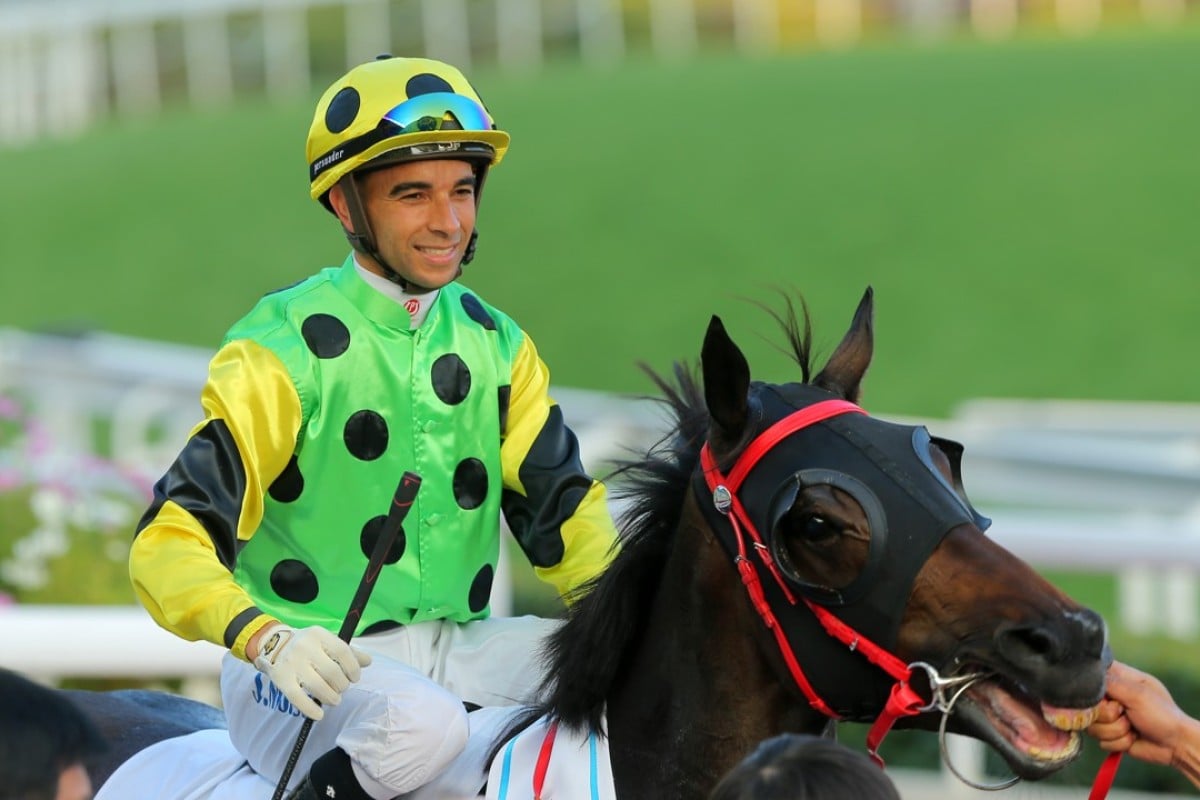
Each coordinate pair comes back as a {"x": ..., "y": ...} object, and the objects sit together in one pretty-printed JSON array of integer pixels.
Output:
[{"x": 817, "y": 529}]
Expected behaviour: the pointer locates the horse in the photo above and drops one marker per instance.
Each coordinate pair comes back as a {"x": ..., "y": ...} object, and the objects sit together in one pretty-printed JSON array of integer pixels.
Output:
[{"x": 786, "y": 560}]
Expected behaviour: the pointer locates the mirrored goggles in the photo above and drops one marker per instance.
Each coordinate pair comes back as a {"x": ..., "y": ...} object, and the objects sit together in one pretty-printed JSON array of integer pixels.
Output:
[
  {"x": 430, "y": 112},
  {"x": 420, "y": 114}
]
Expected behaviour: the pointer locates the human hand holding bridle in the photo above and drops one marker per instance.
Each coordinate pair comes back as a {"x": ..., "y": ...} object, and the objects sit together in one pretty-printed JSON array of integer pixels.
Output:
[{"x": 1140, "y": 717}]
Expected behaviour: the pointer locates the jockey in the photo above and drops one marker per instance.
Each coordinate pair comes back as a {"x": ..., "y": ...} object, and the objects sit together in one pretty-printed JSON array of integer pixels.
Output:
[{"x": 316, "y": 402}]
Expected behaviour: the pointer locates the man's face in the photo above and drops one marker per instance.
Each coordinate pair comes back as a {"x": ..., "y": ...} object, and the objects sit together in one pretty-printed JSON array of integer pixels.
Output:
[
  {"x": 74, "y": 784},
  {"x": 422, "y": 214}
]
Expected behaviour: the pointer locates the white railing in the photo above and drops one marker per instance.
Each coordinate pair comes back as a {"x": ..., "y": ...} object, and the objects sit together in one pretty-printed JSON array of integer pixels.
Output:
[
  {"x": 52, "y": 642},
  {"x": 67, "y": 63}
]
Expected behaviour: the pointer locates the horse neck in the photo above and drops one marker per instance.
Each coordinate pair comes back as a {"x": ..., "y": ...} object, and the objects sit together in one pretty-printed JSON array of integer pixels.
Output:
[{"x": 699, "y": 693}]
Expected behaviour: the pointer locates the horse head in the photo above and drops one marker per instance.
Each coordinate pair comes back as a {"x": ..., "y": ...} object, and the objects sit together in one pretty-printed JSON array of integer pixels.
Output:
[
  {"x": 865, "y": 546},
  {"x": 787, "y": 559}
]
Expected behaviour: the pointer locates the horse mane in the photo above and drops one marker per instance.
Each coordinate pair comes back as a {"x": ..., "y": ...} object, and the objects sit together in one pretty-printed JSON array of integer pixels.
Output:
[{"x": 587, "y": 655}]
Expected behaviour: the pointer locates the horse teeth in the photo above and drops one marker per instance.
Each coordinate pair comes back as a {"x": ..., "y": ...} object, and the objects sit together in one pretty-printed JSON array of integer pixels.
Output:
[
  {"x": 1070, "y": 719},
  {"x": 1064, "y": 754}
]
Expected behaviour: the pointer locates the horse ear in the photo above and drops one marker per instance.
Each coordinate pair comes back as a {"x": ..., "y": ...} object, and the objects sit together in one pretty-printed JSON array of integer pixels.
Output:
[
  {"x": 844, "y": 371},
  {"x": 726, "y": 381}
]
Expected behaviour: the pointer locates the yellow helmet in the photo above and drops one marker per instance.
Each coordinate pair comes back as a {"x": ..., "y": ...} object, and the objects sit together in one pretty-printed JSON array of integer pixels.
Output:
[{"x": 398, "y": 109}]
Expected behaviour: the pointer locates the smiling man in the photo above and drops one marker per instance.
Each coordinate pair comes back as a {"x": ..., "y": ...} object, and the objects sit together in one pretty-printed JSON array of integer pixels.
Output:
[{"x": 318, "y": 400}]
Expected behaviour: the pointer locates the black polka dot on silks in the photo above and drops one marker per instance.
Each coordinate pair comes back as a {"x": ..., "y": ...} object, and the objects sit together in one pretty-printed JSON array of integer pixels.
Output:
[
  {"x": 426, "y": 83},
  {"x": 470, "y": 483},
  {"x": 451, "y": 379},
  {"x": 366, "y": 435},
  {"x": 370, "y": 536},
  {"x": 342, "y": 110},
  {"x": 502, "y": 395},
  {"x": 326, "y": 336},
  {"x": 382, "y": 626},
  {"x": 294, "y": 581},
  {"x": 290, "y": 483},
  {"x": 481, "y": 589},
  {"x": 477, "y": 312}
]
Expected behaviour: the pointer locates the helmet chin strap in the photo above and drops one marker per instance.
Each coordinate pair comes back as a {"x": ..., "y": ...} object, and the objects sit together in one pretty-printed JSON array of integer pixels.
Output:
[{"x": 362, "y": 238}]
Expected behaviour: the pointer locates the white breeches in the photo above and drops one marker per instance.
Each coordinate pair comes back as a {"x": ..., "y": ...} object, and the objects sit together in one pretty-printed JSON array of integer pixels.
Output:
[{"x": 404, "y": 721}]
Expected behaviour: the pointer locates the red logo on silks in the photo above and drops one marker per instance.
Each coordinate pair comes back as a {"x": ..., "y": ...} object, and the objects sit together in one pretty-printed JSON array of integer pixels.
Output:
[{"x": 412, "y": 305}]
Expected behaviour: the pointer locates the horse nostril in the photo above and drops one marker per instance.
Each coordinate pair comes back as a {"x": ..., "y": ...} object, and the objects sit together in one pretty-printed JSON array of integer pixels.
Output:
[
  {"x": 1030, "y": 644},
  {"x": 1076, "y": 635}
]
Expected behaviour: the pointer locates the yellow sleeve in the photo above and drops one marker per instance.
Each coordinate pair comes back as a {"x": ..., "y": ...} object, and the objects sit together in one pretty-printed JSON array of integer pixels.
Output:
[
  {"x": 557, "y": 512},
  {"x": 210, "y": 501}
]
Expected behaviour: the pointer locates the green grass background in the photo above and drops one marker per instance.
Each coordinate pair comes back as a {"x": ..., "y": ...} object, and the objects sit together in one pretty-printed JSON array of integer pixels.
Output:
[{"x": 1027, "y": 213}]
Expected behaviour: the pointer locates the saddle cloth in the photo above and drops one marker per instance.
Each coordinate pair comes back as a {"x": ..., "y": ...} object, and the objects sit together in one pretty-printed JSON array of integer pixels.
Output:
[
  {"x": 205, "y": 766},
  {"x": 578, "y": 766}
]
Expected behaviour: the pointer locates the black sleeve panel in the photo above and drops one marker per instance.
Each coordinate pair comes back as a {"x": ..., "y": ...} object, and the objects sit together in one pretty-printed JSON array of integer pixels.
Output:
[
  {"x": 555, "y": 484},
  {"x": 208, "y": 481},
  {"x": 239, "y": 623}
]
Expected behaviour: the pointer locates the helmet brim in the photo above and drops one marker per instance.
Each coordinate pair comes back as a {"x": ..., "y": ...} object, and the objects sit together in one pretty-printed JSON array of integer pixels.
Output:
[{"x": 483, "y": 146}]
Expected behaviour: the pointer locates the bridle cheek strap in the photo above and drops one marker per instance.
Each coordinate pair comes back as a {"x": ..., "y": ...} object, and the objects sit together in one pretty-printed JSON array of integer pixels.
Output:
[{"x": 903, "y": 699}]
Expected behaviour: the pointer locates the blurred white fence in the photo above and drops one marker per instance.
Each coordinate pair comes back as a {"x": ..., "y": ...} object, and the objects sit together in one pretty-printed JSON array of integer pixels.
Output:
[
  {"x": 67, "y": 63},
  {"x": 1080, "y": 485}
]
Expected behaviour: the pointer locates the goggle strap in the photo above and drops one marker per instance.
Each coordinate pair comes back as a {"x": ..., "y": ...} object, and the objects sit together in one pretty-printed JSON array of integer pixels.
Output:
[{"x": 469, "y": 150}]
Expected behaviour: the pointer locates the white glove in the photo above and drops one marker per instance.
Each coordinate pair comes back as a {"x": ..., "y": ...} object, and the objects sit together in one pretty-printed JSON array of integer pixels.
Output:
[{"x": 307, "y": 664}]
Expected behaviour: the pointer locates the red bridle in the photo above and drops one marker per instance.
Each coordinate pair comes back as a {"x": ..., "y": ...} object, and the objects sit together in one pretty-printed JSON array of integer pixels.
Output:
[{"x": 903, "y": 700}]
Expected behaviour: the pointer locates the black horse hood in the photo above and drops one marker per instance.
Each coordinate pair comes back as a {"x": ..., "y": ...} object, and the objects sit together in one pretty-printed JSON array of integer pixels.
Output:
[{"x": 887, "y": 468}]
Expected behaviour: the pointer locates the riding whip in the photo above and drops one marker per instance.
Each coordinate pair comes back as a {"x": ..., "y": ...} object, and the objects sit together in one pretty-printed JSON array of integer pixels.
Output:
[{"x": 402, "y": 501}]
